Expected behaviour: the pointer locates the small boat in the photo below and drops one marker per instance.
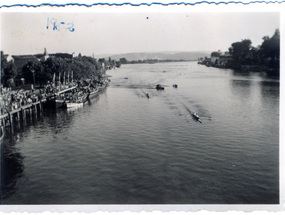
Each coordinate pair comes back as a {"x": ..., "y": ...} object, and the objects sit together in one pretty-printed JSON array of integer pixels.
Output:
[
  {"x": 59, "y": 97},
  {"x": 196, "y": 117},
  {"x": 74, "y": 104},
  {"x": 159, "y": 87},
  {"x": 59, "y": 103}
]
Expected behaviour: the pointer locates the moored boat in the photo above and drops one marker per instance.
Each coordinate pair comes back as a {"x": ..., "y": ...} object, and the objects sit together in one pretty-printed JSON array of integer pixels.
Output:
[
  {"x": 74, "y": 104},
  {"x": 77, "y": 96},
  {"x": 59, "y": 103},
  {"x": 60, "y": 100}
]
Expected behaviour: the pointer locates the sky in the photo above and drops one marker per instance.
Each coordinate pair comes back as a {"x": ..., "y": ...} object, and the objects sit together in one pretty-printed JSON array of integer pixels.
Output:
[{"x": 116, "y": 33}]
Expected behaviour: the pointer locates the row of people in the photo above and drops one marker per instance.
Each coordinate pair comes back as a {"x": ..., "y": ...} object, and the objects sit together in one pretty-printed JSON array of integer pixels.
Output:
[
  {"x": 14, "y": 99},
  {"x": 11, "y": 100}
]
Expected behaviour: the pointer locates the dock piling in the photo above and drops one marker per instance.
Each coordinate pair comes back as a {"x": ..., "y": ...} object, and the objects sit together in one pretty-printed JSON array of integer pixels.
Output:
[
  {"x": 23, "y": 114},
  {"x": 34, "y": 110}
]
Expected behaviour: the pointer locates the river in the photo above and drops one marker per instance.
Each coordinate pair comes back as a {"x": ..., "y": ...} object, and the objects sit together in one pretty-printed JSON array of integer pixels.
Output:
[{"x": 125, "y": 148}]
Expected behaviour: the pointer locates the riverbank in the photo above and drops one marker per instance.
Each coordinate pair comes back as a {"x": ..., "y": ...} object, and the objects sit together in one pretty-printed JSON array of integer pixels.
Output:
[
  {"x": 18, "y": 105},
  {"x": 271, "y": 72}
]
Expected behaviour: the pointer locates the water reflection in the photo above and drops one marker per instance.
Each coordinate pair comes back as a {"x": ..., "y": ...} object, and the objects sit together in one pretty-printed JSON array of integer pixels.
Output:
[
  {"x": 270, "y": 88},
  {"x": 11, "y": 167},
  {"x": 12, "y": 161},
  {"x": 240, "y": 73},
  {"x": 57, "y": 121},
  {"x": 242, "y": 88}
]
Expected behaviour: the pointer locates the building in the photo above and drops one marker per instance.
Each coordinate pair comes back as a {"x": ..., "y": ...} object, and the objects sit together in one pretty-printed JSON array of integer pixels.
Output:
[
  {"x": 215, "y": 57},
  {"x": 225, "y": 60},
  {"x": 220, "y": 59}
]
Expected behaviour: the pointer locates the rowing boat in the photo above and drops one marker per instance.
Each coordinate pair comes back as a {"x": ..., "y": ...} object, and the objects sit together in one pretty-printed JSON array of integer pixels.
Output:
[
  {"x": 197, "y": 117},
  {"x": 159, "y": 87}
]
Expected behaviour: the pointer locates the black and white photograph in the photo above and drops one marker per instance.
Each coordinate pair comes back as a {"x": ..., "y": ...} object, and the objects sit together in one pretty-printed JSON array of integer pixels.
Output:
[{"x": 140, "y": 108}]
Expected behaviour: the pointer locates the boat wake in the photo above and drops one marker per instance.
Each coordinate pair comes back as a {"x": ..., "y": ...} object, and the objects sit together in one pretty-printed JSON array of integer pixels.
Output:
[{"x": 181, "y": 106}]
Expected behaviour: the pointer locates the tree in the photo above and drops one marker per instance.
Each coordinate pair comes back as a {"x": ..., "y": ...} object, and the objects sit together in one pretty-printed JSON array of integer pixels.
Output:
[
  {"x": 8, "y": 71},
  {"x": 118, "y": 64},
  {"x": 42, "y": 76},
  {"x": 215, "y": 54},
  {"x": 85, "y": 67},
  {"x": 123, "y": 60},
  {"x": 102, "y": 60},
  {"x": 33, "y": 72},
  {"x": 75, "y": 68},
  {"x": 270, "y": 52},
  {"x": 56, "y": 66},
  {"x": 240, "y": 52},
  {"x": 4, "y": 64},
  {"x": 271, "y": 46}
]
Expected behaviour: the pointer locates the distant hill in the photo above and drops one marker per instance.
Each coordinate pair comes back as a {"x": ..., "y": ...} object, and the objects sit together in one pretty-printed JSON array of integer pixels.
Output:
[{"x": 159, "y": 56}]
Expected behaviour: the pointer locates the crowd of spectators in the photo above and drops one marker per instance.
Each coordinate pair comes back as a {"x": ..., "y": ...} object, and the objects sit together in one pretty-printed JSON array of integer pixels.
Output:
[{"x": 14, "y": 99}]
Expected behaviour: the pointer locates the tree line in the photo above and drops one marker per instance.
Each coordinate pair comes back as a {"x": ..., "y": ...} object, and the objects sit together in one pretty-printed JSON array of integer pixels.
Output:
[
  {"x": 265, "y": 57},
  {"x": 39, "y": 72},
  {"x": 148, "y": 61}
]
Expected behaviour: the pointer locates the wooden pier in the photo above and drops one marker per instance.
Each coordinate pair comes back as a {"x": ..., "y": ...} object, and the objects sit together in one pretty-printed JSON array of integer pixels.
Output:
[
  {"x": 21, "y": 114},
  {"x": 31, "y": 110}
]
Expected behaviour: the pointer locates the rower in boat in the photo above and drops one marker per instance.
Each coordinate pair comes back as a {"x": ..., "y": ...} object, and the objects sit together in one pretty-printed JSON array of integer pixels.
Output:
[
  {"x": 197, "y": 117},
  {"x": 159, "y": 87}
]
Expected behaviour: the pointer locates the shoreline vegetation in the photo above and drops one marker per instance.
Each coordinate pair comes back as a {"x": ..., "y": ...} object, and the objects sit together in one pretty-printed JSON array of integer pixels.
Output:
[
  {"x": 59, "y": 68},
  {"x": 151, "y": 61},
  {"x": 242, "y": 56},
  {"x": 31, "y": 83},
  {"x": 18, "y": 105}
]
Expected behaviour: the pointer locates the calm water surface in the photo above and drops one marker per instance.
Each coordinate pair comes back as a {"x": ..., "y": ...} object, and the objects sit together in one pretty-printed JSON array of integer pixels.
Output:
[{"x": 123, "y": 148}]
